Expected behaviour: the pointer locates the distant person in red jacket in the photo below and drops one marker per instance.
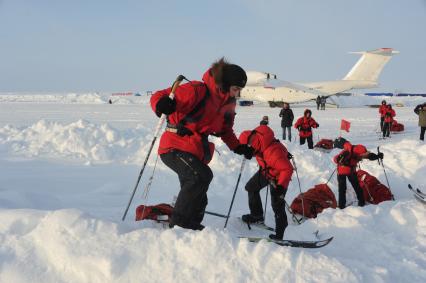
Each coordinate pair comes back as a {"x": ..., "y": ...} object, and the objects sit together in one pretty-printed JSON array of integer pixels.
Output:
[
  {"x": 199, "y": 109},
  {"x": 304, "y": 125},
  {"x": 346, "y": 161},
  {"x": 382, "y": 112},
  {"x": 275, "y": 169},
  {"x": 389, "y": 114}
]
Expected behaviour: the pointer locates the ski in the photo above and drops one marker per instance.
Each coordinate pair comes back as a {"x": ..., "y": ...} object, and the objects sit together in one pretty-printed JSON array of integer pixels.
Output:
[
  {"x": 260, "y": 225},
  {"x": 292, "y": 243},
  {"x": 420, "y": 199},
  {"x": 418, "y": 194}
]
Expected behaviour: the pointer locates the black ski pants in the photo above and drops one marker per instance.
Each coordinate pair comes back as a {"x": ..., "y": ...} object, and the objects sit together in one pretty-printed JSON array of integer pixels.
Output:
[
  {"x": 422, "y": 133},
  {"x": 310, "y": 141},
  {"x": 194, "y": 177},
  {"x": 382, "y": 122},
  {"x": 288, "y": 130},
  {"x": 256, "y": 183},
  {"x": 386, "y": 129},
  {"x": 341, "y": 180}
]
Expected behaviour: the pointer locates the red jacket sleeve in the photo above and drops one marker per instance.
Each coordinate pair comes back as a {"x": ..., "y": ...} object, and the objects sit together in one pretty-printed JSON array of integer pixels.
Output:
[
  {"x": 313, "y": 123},
  {"x": 298, "y": 122},
  {"x": 277, "y": 160},
  {"x": 228, "y": 136},
  {"x": 185, "y": 96}
]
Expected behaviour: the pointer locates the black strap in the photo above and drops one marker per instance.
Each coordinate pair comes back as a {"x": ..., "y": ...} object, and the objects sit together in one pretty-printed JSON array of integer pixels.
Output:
[{"x": 192, "y": 116}]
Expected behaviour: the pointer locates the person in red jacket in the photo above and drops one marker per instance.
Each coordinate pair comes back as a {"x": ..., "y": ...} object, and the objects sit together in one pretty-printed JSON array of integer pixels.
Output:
[
  {"x": 346, "y": 161},
  {"x": 382, "y": 112},
  {"x": 199, "y": 109},
  {"x": 389, "y": 114},
  {"x": 275, "y": 169},
  {"x": 304, "y": 125}
]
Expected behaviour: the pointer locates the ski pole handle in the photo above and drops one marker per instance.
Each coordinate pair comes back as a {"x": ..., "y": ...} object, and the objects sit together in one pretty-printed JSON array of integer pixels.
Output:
[{"x": 163, "y": 117}]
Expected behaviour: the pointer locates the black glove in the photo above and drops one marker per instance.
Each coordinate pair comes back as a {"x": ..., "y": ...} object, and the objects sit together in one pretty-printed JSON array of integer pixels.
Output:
[
  {"x": 289, "y": 155},
  {"x": 280, "y": 188},
  {"x": 317, "y": 125},
  {"x": 372, "y": 156},
  {"x": 245, "y": 150},
  {"x": 182, "y": 131},
  {"x": 380, "y": 155},
  {"x": 165, "y": 106},
  {"x": 344, "y": 158}
]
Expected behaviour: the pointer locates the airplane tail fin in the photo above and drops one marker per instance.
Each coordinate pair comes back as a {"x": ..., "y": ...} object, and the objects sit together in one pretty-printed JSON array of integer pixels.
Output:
[{"x": 370, "y": 65}]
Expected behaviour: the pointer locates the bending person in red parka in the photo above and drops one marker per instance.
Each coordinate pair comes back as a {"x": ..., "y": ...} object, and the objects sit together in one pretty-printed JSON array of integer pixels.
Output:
[
  {"x": 346, "y": 161},
  {"x": 199, "y": 109},
  {"x": 304, "y": 125},
  {"x": 275, "y": 169},
  {"x": 389, "y": 114}
]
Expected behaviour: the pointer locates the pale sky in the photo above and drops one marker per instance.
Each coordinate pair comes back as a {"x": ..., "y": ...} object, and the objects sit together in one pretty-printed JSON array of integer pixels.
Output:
[{"x": 100, "y": 45}]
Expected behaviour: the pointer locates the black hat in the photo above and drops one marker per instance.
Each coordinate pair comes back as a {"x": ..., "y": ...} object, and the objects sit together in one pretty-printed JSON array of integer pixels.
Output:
[
  {"x": 339, "y": 142},
  {"x": 233, "y": 75}
]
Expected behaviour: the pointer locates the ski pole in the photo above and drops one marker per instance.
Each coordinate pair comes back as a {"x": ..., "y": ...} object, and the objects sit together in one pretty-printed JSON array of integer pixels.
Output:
[
  {"x": 386, "y": 176},
  {"x": 235, "y": 191},
  {"x": 266, "y": 200},
  {"x": 293, "y": 216},
  {"x": 298, "y": 181},
  {"x": 331, "y": 176},
  {"x": 215, "y": 214},
  {"x": 148, "y": 186},
  {"x": 160, "y": 123}
]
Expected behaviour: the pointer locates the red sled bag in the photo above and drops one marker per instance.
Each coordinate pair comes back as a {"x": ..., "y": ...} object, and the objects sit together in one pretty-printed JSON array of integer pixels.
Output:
[
  {"x": 315, "y": 200},
  {"x": 324, "y": 145},
  {"x": 397, "y": 127},
  {"x": 374, "y": 191},
  {"x": 159, "y": 212}
]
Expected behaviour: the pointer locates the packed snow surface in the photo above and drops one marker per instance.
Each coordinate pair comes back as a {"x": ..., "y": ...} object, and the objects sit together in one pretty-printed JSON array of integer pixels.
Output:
[{"x": 69, "y": 164}]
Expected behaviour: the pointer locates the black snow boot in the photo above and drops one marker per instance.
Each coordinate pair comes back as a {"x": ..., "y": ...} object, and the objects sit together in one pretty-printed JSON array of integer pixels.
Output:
[
  {"x": 248, "y": 218},
  {"x": 275, "y": 237}
]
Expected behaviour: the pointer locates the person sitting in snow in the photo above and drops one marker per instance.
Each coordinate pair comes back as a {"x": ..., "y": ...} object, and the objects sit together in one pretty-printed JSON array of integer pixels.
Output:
[
  {"x": 389, "y": 114},
  {"x": 347, "y": 161},
  {"x": 304, "y": 125},
  {"x": 275, "y": 169},
  {"x": 199, "y": 109}
]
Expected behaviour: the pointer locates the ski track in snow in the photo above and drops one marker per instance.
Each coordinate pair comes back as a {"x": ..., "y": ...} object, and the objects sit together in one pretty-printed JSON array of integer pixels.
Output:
[{"x": 69, "y": 163}]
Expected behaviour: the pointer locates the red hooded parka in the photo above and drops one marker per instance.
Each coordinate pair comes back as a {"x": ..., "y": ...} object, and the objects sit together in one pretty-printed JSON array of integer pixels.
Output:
[
  {"x": 271, "y": 154},
  {"x": 214, "y": 116}
]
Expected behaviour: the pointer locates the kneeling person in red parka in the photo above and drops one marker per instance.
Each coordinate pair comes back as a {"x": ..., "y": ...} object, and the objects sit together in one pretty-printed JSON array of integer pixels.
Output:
[
  {"x": 275, "y": 169},
  {"x": 347, "y": 161}
]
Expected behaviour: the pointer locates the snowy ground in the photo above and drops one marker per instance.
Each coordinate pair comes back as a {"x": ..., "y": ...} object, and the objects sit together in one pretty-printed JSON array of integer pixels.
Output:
[{"x": 69, "y": 163}]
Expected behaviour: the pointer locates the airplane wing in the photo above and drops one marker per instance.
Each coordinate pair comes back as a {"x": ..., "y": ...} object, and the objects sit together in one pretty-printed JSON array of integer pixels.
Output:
[{"x": 276, "y": 83}]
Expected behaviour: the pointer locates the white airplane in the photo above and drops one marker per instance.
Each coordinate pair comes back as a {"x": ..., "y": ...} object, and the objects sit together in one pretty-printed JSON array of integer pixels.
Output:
[{"x": 265, "y": 87}]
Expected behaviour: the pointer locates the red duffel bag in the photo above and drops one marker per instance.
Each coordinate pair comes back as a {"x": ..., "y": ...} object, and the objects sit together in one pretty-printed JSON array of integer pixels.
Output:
[
  {"x": 314, "y": 201},
  {"x": 159, "y": 212},
  {"x": 397, "y": 127},
  {"x": 324, "y": 145},
  {"x": 374, "y": 191}
]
